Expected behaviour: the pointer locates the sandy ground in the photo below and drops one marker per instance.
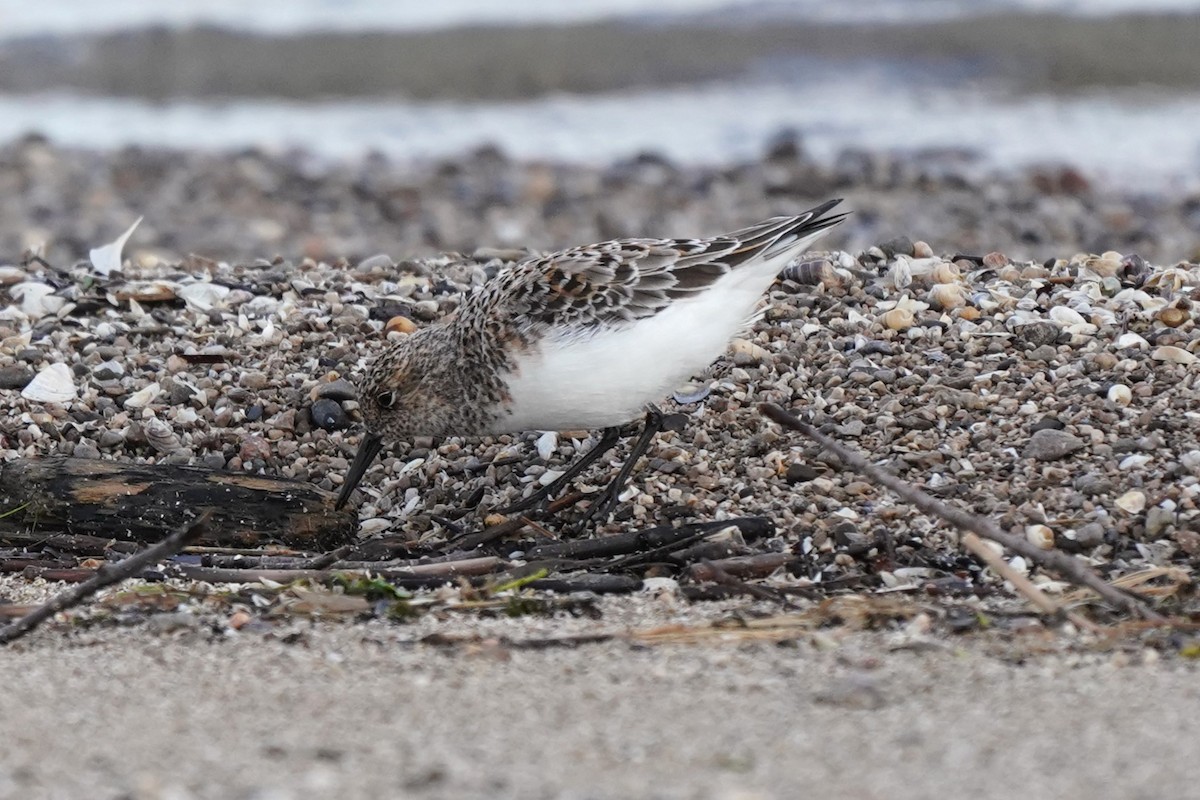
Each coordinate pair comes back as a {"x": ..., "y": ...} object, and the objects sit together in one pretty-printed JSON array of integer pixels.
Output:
[{"x": 160, "y": 710}]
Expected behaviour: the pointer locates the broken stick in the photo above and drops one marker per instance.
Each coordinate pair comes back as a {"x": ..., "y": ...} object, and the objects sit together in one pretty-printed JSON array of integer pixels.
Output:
[{"x": 106, "y": 576}]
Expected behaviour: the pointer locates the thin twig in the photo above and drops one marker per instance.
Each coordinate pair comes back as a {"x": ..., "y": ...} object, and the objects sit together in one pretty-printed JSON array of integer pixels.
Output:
[
  {"x": 1070, "y": 568},
  {"x": 1022, "y": 584},
  {"x": 447, "y": 570},
  {"x": 332, "y": 557},
  {"x": 106, "y": 576}
]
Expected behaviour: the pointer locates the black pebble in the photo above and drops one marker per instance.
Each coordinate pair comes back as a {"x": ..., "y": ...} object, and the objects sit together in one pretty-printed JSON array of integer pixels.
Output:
[
  {"x": 328, "y": 414},
  {"x": 798, "y": 473}
]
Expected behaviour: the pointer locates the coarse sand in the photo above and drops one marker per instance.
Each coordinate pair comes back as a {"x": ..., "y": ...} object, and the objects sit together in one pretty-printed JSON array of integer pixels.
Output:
[{"x": 169, "y": 709}]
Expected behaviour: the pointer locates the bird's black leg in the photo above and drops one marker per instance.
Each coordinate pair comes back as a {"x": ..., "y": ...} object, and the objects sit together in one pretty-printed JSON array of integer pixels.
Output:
[
  {"x": 608, "y": 439},
  {"x": 607, "y": 501}
]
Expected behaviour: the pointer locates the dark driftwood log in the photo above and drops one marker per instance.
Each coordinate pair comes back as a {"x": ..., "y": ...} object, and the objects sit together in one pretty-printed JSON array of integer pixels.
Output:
[{"x": 144, "y": 503}]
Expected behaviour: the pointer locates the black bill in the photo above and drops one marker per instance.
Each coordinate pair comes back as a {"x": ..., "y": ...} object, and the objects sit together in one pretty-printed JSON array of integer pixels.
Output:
[{"x": 367, "y": 450}]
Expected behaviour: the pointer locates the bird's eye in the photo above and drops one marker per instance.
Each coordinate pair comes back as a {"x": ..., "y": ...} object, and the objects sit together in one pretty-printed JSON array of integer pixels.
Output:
[{"x": 386, "y": 399}]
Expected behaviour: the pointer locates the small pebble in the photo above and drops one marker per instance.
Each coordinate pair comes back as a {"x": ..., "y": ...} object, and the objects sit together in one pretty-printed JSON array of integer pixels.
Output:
[
  {"x": 1050, "y": 444},
  {"x": 328, "y": 414}
]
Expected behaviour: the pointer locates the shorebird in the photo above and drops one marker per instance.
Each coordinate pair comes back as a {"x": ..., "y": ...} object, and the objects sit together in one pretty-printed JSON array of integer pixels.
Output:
[{"x": 582, "y": 339}]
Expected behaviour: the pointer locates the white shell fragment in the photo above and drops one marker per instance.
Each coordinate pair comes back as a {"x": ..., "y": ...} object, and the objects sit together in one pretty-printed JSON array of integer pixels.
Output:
[
  {"x": 1120, "y": 394},
  {"x": 1066, "y": 316},
  {"x": 1040, "y": 536},
  {"x": 547, "y": 443},
  {"x": 37, "y": 299},
  {"x": 1175, "y": 355},
  {"x": 203, "y": 296},
  {"x": 161, "y": 436},
  {"x": 1131, "y": 340},
  {"x": 54, "y": 384},
  {"x": 107, "y": 258},
  {"x": 1132, "y": 502},
  {"x": 143, "y": 397}
]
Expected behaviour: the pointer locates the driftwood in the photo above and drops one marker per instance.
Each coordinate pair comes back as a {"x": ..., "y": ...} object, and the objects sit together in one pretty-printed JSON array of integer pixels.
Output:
[
  {"x": 106, "y": 576},
  {"x": 144, "y": 503},
  {"x": 79, "y": 544},
  {"x": 444, "y": 571},
  {"x": 664, "y": 537}
]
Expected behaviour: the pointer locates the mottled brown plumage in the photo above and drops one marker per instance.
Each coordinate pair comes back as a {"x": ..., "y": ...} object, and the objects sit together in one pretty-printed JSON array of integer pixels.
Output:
[{"x": 582, "y": 338}]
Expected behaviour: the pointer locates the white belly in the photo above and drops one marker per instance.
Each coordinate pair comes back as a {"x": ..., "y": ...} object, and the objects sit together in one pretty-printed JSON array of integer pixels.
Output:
[{"x": 575, "y": 383}]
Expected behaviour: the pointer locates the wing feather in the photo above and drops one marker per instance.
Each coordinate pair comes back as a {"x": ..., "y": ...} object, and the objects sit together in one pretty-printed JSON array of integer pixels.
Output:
[{"x": 615, "y": 283}]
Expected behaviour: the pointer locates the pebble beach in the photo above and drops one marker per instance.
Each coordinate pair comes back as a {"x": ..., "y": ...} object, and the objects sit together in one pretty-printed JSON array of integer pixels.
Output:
[
  {"x": 1053, "y": 391},
  {"x": 1021, "y": 342}
]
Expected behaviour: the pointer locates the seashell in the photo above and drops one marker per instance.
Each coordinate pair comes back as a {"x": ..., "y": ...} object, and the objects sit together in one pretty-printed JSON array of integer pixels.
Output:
[
  {"x": 547, "y": 443},
  {"x": 809, "y": 273},
  {"x": 1172, "y": 316},
  {"x": 1172, "y": 279},
  {"x": 1040, "y": 536},
  {"x": 374, "y": 525},
  {"x": 746, "y": 352},
  {"x": 920, "y": 267},
  {"x": 1131, "y": 340},
  {"x": 1120, "y": 394},
  {"x": 10, "y": 275},
  {"x": 1034, "y": 272},
  {"x": 11, "y": 344},
  {"x": 898, "y": 319},
  {"x": 54, "y": 384},
  {"x": 143, "y": 397},
  {"x": 1107, "y": 265},
  {"x": 922, "y": 250},
  {"x": 948, "y": 296},
  {"x": 1009, "y": 274},
  {"x": 1135, "y": 461},
  {"x": 549, "y": 476},
  {"x": 152, "y": 292},
  {"x": 37, "y": 299},
  {"x": 160, "y": 435},
  {"x": 402, "y": 325},
  {"x": 969, "y": 314},
  {"x": 107, "y": 258},
  {"x": 899, "y": 274},
  {"x": 1132, "y": 502},
  {"x": 203, "y": 296},
  {"x": 692, "y": 394},
  {"x": 906, "y": 302},
  {"x": 946, "y": 272},
  {"x": 1066, "y": 316},
  {"x": 806, "y": 330},
  {"x": 995, "y": 260},
  {"x": 1173, "y": 354}
]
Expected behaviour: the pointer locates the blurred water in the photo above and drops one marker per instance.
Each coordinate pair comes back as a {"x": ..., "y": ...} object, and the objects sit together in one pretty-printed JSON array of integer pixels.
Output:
[
  {"x": 1149, "y": 142},
  {"x": 21, "y": 17},
  {"x": 1141, "y": 137}
]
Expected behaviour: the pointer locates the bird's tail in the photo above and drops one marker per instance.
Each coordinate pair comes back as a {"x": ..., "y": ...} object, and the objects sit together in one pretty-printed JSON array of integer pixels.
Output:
[{"x": 780, "y": 236}]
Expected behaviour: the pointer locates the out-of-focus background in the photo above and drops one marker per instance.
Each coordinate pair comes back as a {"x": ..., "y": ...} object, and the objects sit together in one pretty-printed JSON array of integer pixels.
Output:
[{"x": 350, "y": 103}]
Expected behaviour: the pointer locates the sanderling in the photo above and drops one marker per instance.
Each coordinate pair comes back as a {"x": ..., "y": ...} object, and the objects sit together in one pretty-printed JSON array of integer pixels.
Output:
[{"x": 581, "y": 339}]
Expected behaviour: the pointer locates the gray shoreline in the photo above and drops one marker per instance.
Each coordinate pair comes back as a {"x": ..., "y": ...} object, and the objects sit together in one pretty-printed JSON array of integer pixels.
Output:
[
  {"x": 250, "y": 204},
  {"x": 1035, "y": 52}
]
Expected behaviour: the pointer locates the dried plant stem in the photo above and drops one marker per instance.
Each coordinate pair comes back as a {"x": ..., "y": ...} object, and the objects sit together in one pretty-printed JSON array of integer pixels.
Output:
[
  {"x": 1041, "y": 600},
  {"x": 106, "y": 576},
  {"x": 1070, "y": 568}
]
